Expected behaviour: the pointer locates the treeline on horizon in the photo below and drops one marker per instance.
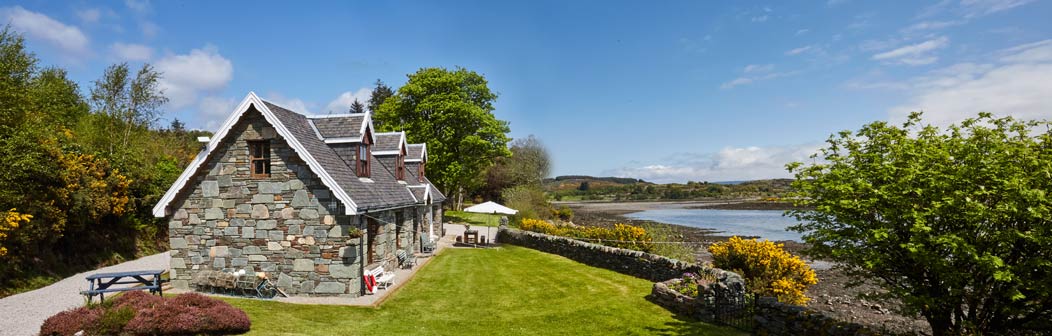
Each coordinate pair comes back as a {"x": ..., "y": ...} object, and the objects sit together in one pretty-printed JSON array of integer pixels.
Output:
[
  {"x": 80, "y": 172},
  {"x": 582, "y": 187}
]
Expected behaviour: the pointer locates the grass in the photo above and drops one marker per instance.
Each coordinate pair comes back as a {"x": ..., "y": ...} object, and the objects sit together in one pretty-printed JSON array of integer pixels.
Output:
[
  {"x": 472, "y": 218},
  {"x": 502, "y": 291}
]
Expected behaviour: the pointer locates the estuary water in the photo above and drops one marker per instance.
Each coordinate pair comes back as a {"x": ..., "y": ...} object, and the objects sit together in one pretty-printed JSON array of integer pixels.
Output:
[{"x": 766, "y": 224}]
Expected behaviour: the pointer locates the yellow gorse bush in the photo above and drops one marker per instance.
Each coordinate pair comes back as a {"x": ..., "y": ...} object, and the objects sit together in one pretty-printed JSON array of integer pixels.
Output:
[
  {"x": 767, "y": 268},
  {"x": 10, "y": 220},
  {"x": 621, "y": 235}
]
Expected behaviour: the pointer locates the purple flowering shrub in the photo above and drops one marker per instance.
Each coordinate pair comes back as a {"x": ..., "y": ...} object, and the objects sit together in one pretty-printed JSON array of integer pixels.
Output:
[{"x": 185, "y": 314}]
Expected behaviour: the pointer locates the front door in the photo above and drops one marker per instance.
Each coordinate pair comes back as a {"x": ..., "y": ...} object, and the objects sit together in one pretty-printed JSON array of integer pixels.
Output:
[{"x": 370, "y": 239}]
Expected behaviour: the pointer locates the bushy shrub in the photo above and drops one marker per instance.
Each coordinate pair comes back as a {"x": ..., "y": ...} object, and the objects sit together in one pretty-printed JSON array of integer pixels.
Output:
[
  {"x": 690, "y": 285},
  {"x": 767, "y": 268},
  {"x": 138, "y": 313},
  {"x": 621, "y": 235},
  {"x": 71, "y": 321},
  {"x": 563, "y": 213}
]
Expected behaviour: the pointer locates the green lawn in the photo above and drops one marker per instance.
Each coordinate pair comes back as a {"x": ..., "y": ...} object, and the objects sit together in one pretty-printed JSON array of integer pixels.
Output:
[
  {"x": 472, "y": 218},
  {"x": 502, "y": 291}
]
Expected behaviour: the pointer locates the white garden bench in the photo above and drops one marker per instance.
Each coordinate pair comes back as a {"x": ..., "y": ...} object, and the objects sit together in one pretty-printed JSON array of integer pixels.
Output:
[{"x": 383, "y": 278}]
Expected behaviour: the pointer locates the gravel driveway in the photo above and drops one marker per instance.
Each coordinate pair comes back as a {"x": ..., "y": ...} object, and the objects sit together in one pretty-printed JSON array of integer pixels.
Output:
[{"x": 22, "y": 314}]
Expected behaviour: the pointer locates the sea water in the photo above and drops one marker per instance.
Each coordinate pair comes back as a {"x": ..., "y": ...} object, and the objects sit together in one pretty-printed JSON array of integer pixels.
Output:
[{"x": 766, "y": 224}]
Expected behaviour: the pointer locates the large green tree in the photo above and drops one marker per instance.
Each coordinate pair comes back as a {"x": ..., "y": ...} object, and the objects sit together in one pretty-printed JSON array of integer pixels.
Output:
[
  {"x": 452, "y": 111},
  {"x": 528, "y": 164},
  {"x": 956, "y": 222}
]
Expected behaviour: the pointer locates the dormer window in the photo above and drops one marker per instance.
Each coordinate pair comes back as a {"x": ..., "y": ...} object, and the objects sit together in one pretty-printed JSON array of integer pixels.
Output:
[
  {"x": 400, "y": 166},
  {"x": 420, "y": 171},
  {"x": 259, "y": 158},
  {"x": 362, "y": 155}
]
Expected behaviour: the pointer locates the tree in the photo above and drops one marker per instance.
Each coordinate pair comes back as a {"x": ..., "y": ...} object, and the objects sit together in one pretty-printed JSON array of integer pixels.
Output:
[
  {"x": 528, "y": 164},
  {"x": 452, "y": 111},
  {"x": 584, "y": 186},
  {"x": 955, "y": 222},
  {"x": 357, "y": 107},
  {"x": 177, "y": 126},
  {"x": 380, "y": 94},
  {"x": 134, "y": 103}
]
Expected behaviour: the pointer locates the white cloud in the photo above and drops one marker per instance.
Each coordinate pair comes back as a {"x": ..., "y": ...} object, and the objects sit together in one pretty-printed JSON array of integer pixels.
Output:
[
  {"x": 761, "y": 18},
  {"x": 149, "y": 29},
  {"x": 1015, "y": 84},
  {"x": 131, "y": 51},
  {"x": 736, "y": 82},
  {"x": 914, "y": 54},
  {"x": 729, "y": 164},
  {"x": 754, "y": 73},
  {"x": 976, "y": 8},
  {"x": 932, "y": 25},
  {"x": 754, "y": 68},
  {"x": 293, "y": 104},
  {"x": 799, "y": 50},
  {"x": 188, "y": 75},
  {"x": 343, "y": 102},
  {"x": 90, "y": 15},
  {"x": 802, "y": 31},
  {"x": 68, "y": 39},
  {"x": 141, "y": 6},
  {"x": 212, "y": 111}
]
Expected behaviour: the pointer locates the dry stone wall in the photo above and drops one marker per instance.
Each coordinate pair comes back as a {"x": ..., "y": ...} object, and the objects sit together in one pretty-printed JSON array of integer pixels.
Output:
[
  {"x": 776, "y": 318},
  {"x": 635, "y": 263}
]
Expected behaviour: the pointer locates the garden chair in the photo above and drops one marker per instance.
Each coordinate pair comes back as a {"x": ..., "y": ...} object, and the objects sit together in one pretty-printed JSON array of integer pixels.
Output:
[
  {"x": 406, "y": 260},
  {"x": 426, "y": 246}
]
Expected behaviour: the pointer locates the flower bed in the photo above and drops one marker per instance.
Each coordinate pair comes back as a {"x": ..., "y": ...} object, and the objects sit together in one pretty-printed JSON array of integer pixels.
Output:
[
  {"x": 139, "y": 313},
  {"x": 621, "y": 235}
]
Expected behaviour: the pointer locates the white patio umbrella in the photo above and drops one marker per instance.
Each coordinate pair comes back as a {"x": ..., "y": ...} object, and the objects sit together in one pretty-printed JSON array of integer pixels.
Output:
[{"x": 491, "y": 208}]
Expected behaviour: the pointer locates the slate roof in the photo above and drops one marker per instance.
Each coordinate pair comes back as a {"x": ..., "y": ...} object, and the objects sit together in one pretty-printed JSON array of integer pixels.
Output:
[
  {"x": 411, "y": 177},
  {"x": 387, "y": 141},
  {"x": 383, "y": 192},
  {"x": 414, "y": 151},
  {"x": 339, "y": 127}
]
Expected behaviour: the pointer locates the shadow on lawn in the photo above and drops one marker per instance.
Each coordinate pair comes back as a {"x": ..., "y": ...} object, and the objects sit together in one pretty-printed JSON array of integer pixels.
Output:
[{"x": 684, "y": 325}]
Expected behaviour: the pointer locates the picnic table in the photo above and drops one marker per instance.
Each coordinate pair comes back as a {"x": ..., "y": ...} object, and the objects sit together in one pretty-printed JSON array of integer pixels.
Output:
[
  {"x": 471, "y": 236},
  {"x": 99, "y": 283}
]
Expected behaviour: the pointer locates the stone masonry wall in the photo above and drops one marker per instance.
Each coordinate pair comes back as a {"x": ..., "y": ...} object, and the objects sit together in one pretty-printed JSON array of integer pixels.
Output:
[
  {"x": 288, "y": 225},
  {"x": 776, "y": 318},
  {"x": 635, "y": 263}
]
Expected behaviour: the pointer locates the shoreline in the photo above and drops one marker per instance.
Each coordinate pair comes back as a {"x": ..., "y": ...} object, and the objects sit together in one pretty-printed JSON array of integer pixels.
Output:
[{"x": 831, "y": 296}]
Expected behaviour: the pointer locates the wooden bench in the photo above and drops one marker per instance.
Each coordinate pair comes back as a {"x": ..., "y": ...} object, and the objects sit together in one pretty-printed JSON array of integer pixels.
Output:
[
  {"x": 383, "y": 278},
  {"x": 99, "y": 284}
]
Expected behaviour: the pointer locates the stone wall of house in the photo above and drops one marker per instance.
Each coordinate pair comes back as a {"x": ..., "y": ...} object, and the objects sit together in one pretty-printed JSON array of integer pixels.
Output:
[
  {"x": 635, "y": 263},
  {"x": 387, "y": 238},
  {"x": 776, "y": 318},
  {"x": 288, "y": 225}
]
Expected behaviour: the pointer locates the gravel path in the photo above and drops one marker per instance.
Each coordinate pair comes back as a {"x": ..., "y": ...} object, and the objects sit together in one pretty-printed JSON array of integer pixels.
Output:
[{"x": 22, "y": 314}]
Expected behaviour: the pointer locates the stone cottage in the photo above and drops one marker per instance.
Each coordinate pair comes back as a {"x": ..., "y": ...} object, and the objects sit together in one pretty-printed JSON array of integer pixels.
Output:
[{"x": 313, "y": 201}]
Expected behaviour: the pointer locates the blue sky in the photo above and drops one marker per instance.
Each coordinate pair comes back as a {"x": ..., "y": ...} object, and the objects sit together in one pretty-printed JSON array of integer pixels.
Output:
[{"x": 666, "y": 91}]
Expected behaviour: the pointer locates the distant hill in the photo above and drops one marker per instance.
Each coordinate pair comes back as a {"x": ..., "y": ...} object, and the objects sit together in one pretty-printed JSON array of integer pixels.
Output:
[
  {"x": 574, "y": 182},
  {"x": 583, "y": 187}
]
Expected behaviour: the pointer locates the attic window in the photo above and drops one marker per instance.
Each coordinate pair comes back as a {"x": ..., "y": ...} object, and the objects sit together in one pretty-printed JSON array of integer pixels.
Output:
[
  {"x": 259, "y": 158},
  {"x": 400, "y": 169},
  {"x": 361, "y": 156},
  {"x": 420, "y": 171}
]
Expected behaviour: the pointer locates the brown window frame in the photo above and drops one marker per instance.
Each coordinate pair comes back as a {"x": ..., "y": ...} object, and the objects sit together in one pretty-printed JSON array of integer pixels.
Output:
[
  {"x": 264, "y": 156},
  {"x": 361, "y": 165},
  {"x": 420, "y": 171},
  {"x": 400, "y": 166}
]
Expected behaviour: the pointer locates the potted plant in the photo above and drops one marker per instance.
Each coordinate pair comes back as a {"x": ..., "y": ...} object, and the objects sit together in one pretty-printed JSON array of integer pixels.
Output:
[{"x": 355, "y": 232}]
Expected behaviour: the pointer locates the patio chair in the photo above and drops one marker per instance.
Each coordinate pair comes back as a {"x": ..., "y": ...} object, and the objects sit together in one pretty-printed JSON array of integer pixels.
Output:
[
  {"x": 426, "y": 246},
  {"x": 406, "y": 260}
]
